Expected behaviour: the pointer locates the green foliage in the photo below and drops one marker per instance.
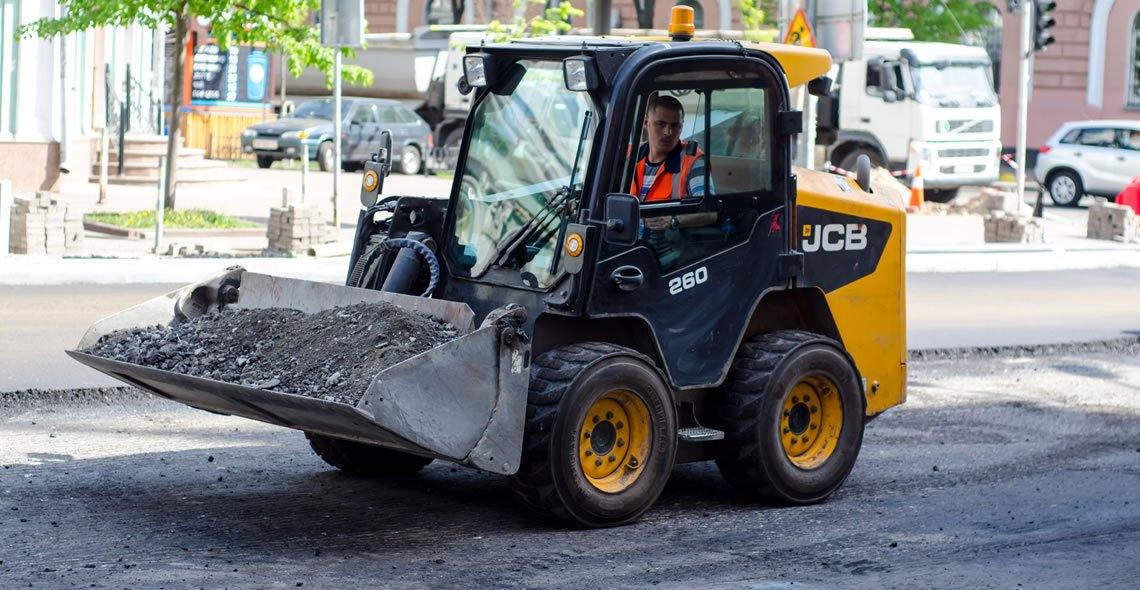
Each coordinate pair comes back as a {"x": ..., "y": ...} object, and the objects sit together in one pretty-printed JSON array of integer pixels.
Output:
[
  {"x": 552, "y": 21},
  {"x": 752, "y": 16},
  {"x": 933, "y": 20},
  {"x": 279, "y": 25},
  {"x": 188, "y": 219}
]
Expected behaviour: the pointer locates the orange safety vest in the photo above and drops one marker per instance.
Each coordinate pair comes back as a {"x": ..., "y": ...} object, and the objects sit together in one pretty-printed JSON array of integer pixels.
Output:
[{"x": 672, "y": 180}]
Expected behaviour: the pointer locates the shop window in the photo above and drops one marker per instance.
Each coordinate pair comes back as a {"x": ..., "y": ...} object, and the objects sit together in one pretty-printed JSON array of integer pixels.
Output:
[{"x": 1133, "y": 99}]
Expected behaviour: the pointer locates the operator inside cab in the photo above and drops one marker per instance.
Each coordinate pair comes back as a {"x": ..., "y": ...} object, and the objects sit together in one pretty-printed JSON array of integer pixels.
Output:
[{"x": 667, "y": 167}]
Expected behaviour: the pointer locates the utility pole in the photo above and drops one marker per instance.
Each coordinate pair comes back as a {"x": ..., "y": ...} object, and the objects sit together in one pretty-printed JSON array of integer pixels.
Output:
[
  {"x": 1024, "y": 80},
  {"x": 336, "y": 141}
]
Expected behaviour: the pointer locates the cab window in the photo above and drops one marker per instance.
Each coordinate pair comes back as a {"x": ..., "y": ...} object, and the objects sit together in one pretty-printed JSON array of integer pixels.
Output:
[{"x": 698, "y": 157}]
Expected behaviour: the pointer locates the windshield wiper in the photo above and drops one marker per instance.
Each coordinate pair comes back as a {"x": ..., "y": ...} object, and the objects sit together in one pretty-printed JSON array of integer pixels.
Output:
[{"x": 551, "y": 210}]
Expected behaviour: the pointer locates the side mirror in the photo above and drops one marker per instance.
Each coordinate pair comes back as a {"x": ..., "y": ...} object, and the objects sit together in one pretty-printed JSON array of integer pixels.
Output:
[
  {"x": 890, "y": 96},
  {"x": 623, "y": 219}
]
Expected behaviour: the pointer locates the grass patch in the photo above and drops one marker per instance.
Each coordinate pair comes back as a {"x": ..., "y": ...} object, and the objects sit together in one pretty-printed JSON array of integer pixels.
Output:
[{"x": 177, "y": 219}]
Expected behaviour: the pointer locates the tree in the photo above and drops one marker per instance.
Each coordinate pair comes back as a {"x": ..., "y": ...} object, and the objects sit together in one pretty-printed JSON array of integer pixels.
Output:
[
  {"x": 933, "y": 20},
  {"x": 551, "y": 21},
  {"x": 645, "y": 10},
  {"x": 280, "y": 25}
]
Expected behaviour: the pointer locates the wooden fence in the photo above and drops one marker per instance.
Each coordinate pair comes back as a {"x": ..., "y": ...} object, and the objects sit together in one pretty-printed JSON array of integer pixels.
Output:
[{"x": 220, "y": 133}]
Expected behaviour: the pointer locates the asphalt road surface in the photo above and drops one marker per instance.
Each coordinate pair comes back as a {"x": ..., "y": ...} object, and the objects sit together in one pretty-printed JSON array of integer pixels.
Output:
[
  {"x": 997, "y": 473},
  {"x": 943, "y": 310}
]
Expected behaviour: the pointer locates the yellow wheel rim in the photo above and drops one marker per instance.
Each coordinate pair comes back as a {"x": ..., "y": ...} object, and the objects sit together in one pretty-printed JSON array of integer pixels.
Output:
[
  {"x": 614, "y": 441},
  {"x": 810, "y": 422}
]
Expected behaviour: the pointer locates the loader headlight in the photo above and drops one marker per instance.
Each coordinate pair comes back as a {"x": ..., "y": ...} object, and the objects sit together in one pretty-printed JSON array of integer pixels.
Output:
[
  {"x": 574, "y": 245},
  {"x": 476, "y": 69},
  {"x": 580, "y": 73}
]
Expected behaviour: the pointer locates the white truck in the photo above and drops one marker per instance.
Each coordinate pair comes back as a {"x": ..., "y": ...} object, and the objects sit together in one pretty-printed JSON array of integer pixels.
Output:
[{"x": 906, "y": 104}]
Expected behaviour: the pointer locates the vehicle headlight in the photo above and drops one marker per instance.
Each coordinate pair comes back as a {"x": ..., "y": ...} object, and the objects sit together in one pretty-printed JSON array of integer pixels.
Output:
[
  {"x": 249, "y": 133},
  {"x": 580, "y": 73},
  {"x": 475, "y": 69}
]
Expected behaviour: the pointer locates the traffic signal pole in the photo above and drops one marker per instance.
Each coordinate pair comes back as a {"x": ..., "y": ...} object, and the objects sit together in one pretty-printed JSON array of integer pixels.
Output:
[{"x": 1023, "y": 83}]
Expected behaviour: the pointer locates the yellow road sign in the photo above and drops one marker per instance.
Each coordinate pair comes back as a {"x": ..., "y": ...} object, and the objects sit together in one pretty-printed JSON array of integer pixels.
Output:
[{"x": 799, "y": 31}]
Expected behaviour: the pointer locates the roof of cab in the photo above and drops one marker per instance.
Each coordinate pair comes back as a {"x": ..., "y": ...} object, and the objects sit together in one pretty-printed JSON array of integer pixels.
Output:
[{"x": 800, "y": 64}]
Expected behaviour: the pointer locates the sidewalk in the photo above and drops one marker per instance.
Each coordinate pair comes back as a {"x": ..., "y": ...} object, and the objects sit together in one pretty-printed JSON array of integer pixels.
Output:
[{"x": 935, "y": 243}]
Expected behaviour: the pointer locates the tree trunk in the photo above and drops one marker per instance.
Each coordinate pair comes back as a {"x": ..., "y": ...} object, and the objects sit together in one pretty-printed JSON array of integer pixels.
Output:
[
  {"x": 457, "y": 9},
  {"x": 645, "y": 9},
  {"x": 174, "y": 139}
]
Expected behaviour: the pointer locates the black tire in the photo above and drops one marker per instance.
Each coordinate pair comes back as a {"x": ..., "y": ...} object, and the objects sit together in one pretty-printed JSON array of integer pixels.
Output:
[
  {"x": 565, "y": 383},
  {"x": 325, "y": 156},
  {"x": 940, "y": 195},
  {"x": 1065, "y": 188},
  {"x": 265, "y": 161},
  {"x": 849, "y": 161},
  {"x": 363, "y": 459},
  {"x": 762, "y": 377},
  {"x": 411, "y": 162}
]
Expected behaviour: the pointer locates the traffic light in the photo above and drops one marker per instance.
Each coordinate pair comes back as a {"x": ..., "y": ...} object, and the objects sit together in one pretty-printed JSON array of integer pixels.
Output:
[{"x": 1043, "y": 23}]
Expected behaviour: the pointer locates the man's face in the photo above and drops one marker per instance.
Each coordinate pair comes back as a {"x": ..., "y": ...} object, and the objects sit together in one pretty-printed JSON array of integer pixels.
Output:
[{"x": 663, "y": 126}]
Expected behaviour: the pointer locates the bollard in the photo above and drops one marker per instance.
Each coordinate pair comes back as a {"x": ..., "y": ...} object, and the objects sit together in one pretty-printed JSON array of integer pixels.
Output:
[
  {"x": 304, "y": 173},
  {"x": 160, "y": 205},
  {"x": 6, "y": 200},
  {"x": 104, "y": 153}
]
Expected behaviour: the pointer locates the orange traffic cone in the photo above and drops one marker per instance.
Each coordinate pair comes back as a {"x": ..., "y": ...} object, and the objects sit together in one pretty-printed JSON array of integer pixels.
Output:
[{"x": 917, "y": 193}]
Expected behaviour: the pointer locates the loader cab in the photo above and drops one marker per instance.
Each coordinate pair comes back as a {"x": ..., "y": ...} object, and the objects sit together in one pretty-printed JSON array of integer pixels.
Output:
[{"x": 540, "y": 157}]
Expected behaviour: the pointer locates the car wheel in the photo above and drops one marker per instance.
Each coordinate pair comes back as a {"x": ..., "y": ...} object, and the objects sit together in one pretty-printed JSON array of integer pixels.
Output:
[
  {"x": 326, "y": 159},
  {"x": 410, "y": 161},
  {"x": 265, "y": 161},
  {"x": 1065, "y": 188}
]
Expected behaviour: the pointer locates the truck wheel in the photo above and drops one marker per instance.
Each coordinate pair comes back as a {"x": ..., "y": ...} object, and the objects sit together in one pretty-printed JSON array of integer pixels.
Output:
[
  {"x": 364, "y": 459},
  {"x": 792, "y": 412},
  {"x": 941, "y": 195},
  {"x": 265, "y": 161},
  {"x": 600, "y": 438},
  {"x": 849, "y": 161}
]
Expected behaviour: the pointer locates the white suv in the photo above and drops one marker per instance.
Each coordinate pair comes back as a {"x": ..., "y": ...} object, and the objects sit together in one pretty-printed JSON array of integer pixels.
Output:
[{"x": 1089, "y": 158}]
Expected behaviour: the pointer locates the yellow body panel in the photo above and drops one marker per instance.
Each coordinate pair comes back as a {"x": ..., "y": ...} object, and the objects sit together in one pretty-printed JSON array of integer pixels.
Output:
[{"x": 869, "y": 312}]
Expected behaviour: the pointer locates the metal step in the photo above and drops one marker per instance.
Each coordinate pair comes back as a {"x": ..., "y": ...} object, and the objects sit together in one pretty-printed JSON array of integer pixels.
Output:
[{"x": 699, "y": 434}]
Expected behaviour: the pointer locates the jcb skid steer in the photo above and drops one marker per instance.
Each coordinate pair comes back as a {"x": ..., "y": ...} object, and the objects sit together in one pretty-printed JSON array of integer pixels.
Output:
[{"x": 754, "y": 318}]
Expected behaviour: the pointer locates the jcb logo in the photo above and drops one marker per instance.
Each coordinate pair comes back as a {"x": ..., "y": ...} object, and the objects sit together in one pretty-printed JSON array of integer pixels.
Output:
[{"x": 834, "y": 237}]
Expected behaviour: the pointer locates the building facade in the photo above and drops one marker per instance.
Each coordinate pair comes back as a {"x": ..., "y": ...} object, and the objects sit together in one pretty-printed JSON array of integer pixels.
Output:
[
  {"x": 1091, "y": 72},
  {"x": 52, "y": 93},
  {"x": 403, "y": 16}
]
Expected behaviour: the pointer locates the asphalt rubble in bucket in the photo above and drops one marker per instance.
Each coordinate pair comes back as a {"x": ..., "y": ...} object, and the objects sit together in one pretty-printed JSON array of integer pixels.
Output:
[{"x": 332, "y": 355}]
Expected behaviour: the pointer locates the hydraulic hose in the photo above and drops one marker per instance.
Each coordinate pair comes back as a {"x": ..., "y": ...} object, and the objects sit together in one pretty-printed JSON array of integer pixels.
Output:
[{"x": 424, "y": 253}]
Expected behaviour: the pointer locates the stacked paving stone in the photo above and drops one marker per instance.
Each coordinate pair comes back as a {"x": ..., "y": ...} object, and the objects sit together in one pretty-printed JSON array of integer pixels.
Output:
[
  {"x": 43, "y": 225},
  {"x": 1019, "y": 229},
  {"x": 296, "y": 228},
  {"x": 1109, "y": 221}
]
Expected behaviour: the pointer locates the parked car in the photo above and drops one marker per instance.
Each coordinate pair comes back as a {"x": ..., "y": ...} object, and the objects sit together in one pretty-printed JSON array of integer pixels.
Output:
[
  {"x": 1089, "y": 158},
  {"x": 310, "y": 127}
]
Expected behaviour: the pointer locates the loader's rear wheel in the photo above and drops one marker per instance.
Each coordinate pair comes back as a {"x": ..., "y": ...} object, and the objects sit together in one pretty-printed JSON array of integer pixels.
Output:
[
  {"x": 601, "y": 435},
  {"x": 364, "y": 459},
  {"x": 793, "y": 417}
]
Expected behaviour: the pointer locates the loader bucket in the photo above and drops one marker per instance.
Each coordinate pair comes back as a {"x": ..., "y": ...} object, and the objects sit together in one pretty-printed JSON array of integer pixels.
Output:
[{"x": 463, "y": 401}]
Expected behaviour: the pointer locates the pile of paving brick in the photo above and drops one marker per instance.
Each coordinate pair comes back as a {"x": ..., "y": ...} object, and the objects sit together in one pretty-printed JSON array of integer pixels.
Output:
[
  {"x": 1109, "y": 221},
  {"x": 294, "y": 229},
  {"x": 44, "y": 225},
  {"x": 1001, "y": 226}
]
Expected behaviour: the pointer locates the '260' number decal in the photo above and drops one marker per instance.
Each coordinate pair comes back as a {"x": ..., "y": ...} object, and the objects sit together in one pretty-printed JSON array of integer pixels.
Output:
[{"x": 688, "y": 280}]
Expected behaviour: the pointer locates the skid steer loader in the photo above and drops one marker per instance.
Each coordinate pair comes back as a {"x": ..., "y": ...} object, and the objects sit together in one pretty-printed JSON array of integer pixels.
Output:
[{"x": 757, "y": 320}]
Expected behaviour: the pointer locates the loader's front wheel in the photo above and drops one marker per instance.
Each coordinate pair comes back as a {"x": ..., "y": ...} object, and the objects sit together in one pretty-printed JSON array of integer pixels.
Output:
[
  {"x": 792, "y": 410},
  {"x": 363, "y": 459},
  {"x": 601, "y": 435}
]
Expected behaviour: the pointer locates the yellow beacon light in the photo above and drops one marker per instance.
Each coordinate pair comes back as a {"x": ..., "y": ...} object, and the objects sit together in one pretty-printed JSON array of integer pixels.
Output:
[
  {"x": 681, "y": 26},
  {"x": 574, "y": 245}
]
